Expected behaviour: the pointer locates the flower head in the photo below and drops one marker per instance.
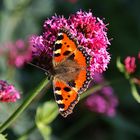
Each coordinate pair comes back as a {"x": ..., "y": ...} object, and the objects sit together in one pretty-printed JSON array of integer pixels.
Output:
[
  {"x": 103, "y": 101},
  {"x": 18, "y": 53},
  {"x": 89, "y": 31},
  {"x": 39, "y": 49},
  {"x": 130, "y": 64},
  {"x": 8, "y": 93}
]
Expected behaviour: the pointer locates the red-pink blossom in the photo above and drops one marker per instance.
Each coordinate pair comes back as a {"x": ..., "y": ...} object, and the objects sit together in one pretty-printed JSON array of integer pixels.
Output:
[
  {"x": 130, "y": 64},
  {"x": 90, "y": 32},
  {"x": 8, "y": 93}
]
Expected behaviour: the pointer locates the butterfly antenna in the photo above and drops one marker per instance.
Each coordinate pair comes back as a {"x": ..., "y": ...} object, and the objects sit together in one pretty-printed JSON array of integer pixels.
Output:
[{"x": 38, "y": 67}]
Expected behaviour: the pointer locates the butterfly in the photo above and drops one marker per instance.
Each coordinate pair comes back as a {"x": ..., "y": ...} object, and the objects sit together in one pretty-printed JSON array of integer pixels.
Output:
[{"x": 71, "y": 76}]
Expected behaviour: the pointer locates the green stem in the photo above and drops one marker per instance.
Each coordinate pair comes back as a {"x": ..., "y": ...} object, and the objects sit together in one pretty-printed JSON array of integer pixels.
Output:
[{"x": 43, "y": 86}]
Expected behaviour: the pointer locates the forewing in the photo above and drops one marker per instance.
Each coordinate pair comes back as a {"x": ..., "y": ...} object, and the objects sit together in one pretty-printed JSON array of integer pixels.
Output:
[{"x": 64, "y": 46}]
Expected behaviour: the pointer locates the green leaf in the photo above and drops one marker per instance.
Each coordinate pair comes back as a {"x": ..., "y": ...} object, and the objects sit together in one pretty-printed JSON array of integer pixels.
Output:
[
  {"x": 45, "y": 131},
  {"x": 135, "y": 91},
  {"x": 46, "y": 113},
  {"x": 44, "y": 116},
  {"x": 2, "y": 137},
  {"x": 23, "y": 138}
]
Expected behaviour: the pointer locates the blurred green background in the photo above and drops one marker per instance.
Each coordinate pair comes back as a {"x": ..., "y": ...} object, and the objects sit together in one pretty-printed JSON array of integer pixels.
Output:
[{"x": 21, "y": 18}]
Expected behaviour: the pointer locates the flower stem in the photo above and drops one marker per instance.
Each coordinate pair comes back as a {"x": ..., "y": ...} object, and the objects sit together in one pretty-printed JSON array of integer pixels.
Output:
[
  {"x": 43, "y": 86},
  {"x": 134, "y": 90}
]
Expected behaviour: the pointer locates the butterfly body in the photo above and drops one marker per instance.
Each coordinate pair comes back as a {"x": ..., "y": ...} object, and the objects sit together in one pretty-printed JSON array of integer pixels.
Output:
[
  {"x": 71, "y": 76},
  {"x": 67, "y": 70}
]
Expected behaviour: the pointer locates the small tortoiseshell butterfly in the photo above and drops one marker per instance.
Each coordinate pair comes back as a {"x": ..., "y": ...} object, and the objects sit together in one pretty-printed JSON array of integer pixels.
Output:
[{"x": 70, "y": 71}]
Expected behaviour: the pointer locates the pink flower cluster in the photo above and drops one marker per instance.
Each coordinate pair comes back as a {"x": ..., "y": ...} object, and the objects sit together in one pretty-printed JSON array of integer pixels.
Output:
[
  {"x": 8, "y": 93},
  {"x": 18, "y": 53},
  {"x": 103, "y": 101},
  {"x": 87, "y": 29}
]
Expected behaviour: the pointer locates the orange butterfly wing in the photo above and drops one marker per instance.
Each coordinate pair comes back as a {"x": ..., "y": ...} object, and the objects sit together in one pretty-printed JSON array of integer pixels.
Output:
[
  {"x": 65, "y": 97},
  {"x": 80, "y": 84},
  {"x": 64, "y": 46}
]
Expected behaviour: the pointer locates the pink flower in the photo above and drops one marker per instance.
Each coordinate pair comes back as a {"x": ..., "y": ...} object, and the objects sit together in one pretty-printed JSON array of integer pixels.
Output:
[
  {"x": 130, "y": 64},
  {"x": 18, "y": 53},
  {"x": 98, "y": 78},
  {"x": 100, "y": 59},
  {"x": 89, "y": 31},
  {"x": 8, "y": 93},
  {"x": 103, "y": 101}
]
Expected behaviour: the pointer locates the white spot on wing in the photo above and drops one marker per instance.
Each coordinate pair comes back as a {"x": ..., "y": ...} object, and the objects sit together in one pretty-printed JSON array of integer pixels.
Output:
[
  {"x": 58, "y": 92},
  {"x": 59, "y": 34},
  {"x": 58, "y": 42},
  {"x": 59, "y": 102},
  {"x": 61, "y": 109},
  {"x": 58, "y": 51}
]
